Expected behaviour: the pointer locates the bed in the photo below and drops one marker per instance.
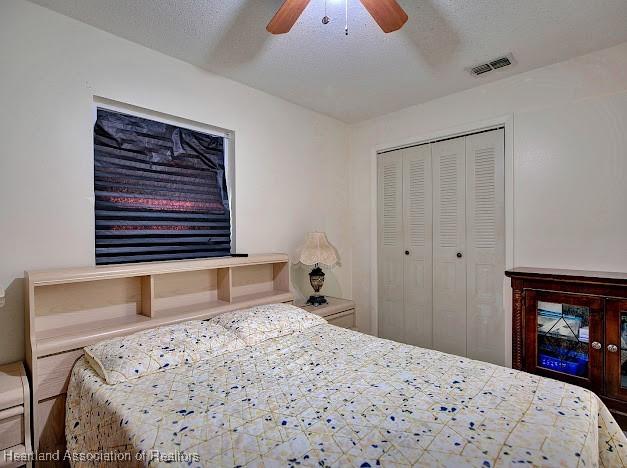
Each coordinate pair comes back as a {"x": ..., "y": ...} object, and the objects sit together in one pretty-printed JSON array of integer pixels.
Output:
[{"x": 326, "y": 396}]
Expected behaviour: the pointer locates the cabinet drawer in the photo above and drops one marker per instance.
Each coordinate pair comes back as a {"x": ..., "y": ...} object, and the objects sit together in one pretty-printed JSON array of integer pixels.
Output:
[
  {"x": 11, "y": 431},
  {"x": 344, "y": 319},
  {"x": 19, "y": 452}
]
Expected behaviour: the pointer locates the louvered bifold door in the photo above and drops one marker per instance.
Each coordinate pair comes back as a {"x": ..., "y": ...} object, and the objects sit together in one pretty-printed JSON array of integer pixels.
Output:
[
  {"x": 449, "y": 241},
  {"x": 390, "y": 248},
  {"x": 485, "y": 252},
  {"x": 418, "y": 235}
]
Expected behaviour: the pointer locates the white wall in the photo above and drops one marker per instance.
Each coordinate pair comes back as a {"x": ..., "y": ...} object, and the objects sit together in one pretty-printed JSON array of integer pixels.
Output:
[
  {"x": 569, "y": 164},
  {"x": 291, "y": 163}
]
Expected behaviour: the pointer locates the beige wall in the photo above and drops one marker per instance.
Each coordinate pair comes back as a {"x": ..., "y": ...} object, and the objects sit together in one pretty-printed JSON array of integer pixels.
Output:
[
  {"x": 291, "y": 163},
  {"x": 569, "y": 148}
]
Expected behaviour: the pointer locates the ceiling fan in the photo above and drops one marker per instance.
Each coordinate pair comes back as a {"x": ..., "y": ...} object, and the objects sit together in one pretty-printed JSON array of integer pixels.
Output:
[{"x": 388, "y": 14}]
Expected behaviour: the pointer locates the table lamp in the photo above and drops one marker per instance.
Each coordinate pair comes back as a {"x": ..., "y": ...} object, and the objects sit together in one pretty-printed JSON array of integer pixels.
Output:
[{"x": 317, "y": 251}]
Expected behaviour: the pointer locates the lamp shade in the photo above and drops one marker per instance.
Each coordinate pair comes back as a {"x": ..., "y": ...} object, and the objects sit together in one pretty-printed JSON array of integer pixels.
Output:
[{"x": 318, "y": 249}]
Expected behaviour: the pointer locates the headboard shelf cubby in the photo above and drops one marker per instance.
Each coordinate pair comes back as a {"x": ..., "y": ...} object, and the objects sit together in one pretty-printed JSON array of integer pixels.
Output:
[{"x": 67, "y": 309}]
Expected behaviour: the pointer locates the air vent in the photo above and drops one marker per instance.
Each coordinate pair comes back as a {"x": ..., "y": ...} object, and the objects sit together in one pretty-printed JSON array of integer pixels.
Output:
[
  {"x": 495, "y": 64},
  {"x": 500, "y": 63},
  {"x": 480, "y": 69}
]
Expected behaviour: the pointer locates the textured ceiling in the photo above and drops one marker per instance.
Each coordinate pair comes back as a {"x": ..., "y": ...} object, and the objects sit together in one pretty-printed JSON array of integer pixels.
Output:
[{"x": 367, "y": 73}]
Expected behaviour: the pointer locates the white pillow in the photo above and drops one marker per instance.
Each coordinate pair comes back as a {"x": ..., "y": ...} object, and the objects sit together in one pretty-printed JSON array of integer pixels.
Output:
[
  {"x": 264, "y": 322},
  {"x": 130, "y": 357}
]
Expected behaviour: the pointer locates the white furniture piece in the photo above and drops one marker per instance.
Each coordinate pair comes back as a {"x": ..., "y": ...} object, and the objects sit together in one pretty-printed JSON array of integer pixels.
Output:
[
  {"x": 441, "y": 245},
  {"x": 337, "y": 311},
  {"x": 15, "y": 433},
  {"x": 68, "y": 309}
]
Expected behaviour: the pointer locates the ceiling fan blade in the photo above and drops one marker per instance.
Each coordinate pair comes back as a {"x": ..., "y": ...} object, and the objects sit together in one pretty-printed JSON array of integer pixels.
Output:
[
  {"x": 286, "y": 16},
  {"x": 388, "y": 14}
]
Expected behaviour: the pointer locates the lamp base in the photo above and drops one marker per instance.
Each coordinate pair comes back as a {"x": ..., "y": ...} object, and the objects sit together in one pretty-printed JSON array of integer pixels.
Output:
[
  {"x": 316, "y": 300},
  {"x": 316, "y": 279}
]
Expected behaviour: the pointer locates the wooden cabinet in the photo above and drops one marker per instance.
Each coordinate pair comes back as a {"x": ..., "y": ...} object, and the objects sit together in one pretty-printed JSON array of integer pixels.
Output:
[
  {"x": 572, "y": 326},
  {"x": 14, "y": 416},
  {"x": 339, "y": 312}
]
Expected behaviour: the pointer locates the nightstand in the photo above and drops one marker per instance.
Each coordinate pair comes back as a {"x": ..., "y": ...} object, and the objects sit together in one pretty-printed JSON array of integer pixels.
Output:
[
  {"x": 14, "y": 416},
  {"x": 339, "y": 312}
]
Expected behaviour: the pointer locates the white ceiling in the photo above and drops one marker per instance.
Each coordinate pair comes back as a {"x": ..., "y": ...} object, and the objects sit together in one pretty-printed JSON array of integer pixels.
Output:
[{"x": 368, "y": 73}]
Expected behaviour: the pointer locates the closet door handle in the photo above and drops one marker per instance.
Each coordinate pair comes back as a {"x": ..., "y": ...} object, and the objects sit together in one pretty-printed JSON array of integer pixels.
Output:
[
  {"x": 460, "y": 255},
  {"x": 407, "y": 252}
]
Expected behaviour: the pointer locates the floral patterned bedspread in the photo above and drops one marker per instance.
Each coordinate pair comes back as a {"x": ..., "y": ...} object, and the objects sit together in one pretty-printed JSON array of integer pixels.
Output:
[{"x": 333, "y": 397}]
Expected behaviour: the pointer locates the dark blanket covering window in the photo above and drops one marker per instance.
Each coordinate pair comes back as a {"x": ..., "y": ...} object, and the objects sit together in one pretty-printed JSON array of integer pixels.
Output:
[{"x": 160, "y": 191}]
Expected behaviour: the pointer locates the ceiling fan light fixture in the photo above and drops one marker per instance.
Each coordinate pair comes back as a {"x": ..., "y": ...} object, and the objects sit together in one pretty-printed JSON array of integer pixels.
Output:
[{"x": 388, "y": 14}]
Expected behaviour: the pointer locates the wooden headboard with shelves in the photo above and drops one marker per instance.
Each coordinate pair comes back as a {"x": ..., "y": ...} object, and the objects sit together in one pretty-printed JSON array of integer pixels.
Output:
[{"x": 67, "y": 309}]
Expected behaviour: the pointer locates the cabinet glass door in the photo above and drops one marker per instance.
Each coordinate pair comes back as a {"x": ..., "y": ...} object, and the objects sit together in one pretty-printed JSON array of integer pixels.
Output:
[
  {"x": 616, "y": 348},
  {"x": 566, "y": 341},
  {"x": 563, "y": 338}
]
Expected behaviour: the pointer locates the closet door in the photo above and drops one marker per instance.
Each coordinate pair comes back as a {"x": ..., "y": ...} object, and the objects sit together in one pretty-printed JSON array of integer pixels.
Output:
[
  {"x": 449, "y": 227},
  {"x": 418, "y": 235},
  {"x": 485, "y": 252},
  {"x": 390, "y": 248}
]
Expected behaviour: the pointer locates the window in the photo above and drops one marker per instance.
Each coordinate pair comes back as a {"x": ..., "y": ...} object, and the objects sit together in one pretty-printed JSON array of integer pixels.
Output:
[{"x": 160, "y": 191}]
